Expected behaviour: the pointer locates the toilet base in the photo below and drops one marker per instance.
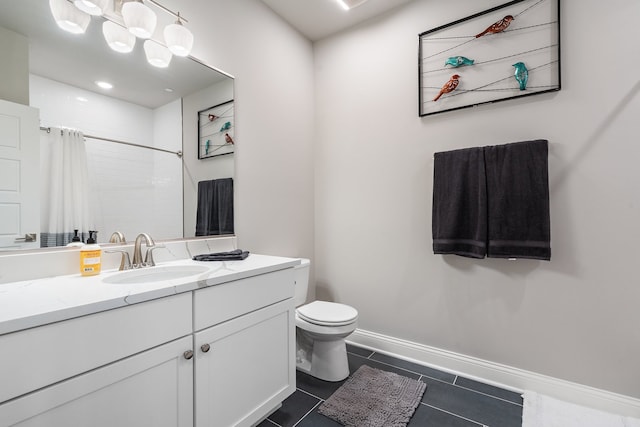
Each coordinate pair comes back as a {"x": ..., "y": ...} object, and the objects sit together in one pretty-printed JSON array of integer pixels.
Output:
[{"x": 325, "y": 360}]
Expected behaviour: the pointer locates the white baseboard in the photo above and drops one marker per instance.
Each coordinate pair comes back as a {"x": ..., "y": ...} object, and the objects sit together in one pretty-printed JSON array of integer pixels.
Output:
[{"x": 503, "y": 376}]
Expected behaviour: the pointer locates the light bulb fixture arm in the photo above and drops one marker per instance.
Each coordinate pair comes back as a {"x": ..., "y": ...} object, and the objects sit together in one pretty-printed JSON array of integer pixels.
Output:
[{"x": 119, "y": 3}]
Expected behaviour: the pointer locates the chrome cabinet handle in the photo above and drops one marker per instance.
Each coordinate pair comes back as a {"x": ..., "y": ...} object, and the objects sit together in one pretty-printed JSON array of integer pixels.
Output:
[
  {"x": 188, "y": 354},
  {"x": 205, "y": 348}
]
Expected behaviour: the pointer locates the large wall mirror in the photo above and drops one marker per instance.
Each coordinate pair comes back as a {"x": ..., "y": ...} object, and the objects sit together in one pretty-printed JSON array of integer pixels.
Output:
[{"x": 142, "y": 137}]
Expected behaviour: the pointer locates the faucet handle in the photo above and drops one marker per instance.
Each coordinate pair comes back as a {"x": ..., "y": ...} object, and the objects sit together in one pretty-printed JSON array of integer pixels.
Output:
[
  {"x": 125, "y": 261},
  {"x": 148, "y": 257}
]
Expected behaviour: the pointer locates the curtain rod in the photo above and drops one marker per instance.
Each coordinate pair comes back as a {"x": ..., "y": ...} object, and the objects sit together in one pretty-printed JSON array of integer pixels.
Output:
[{"x": 177, "y": 153}]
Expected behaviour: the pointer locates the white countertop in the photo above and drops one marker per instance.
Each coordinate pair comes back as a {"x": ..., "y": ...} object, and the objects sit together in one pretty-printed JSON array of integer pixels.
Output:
[{"x": 32, "y": 303}]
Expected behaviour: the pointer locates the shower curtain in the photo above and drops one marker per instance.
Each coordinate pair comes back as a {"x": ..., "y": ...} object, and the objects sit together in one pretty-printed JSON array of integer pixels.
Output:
[{"x": 64, "y": 199}]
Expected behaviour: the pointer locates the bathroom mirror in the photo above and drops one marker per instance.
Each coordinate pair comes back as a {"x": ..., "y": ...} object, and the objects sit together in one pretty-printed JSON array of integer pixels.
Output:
[{"x": 137, "y": 189}]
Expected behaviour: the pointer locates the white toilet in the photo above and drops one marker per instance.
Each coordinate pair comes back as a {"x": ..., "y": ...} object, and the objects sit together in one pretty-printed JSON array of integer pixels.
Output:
[{"x": 321, "y": 328}]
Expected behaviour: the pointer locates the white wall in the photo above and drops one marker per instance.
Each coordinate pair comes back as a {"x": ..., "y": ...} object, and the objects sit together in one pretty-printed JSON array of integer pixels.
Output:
[
  {"x": 14, "y": 67},
  {"x": 574, "y": 318},
  {"x": 128, "y": 184},
  {"x": 196, "y": 170},
  {"x": 273, "y": 69}
]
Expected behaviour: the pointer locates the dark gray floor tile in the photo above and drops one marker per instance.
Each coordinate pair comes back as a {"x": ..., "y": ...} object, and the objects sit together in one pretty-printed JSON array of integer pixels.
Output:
[
  {"x": 359, "y": 350},
  {"x": 472, "y": 405},
  {"x": 414, "y": 367},
  {"x": 426, "y": 416},
  {"x": 293, "y": 408},
  {"x": 356, "y": 361},
  {"x": 319, "y": 388},
  {"x": 314, "y": 419},
  {"x": 511, "y": 396}
]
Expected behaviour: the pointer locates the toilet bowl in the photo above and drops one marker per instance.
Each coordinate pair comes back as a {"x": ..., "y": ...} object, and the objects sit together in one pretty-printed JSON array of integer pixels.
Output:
[{"x": 321, "y": 328}]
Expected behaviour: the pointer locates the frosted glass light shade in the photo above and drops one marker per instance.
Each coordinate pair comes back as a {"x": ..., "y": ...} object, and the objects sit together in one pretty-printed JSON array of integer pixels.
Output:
[
  {"x": 118, "y": 38},
  {"x": 179, "y": 39},
  {"x": 139, "y": 19},
  {"x": 92, "y": 7},
  {"x": 68, "y": 17},
  {"x": 157, "y": 55}
]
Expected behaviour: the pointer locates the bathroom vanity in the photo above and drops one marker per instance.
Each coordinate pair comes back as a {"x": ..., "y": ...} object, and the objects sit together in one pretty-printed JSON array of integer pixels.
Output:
[{"x": 212, "y": 347}]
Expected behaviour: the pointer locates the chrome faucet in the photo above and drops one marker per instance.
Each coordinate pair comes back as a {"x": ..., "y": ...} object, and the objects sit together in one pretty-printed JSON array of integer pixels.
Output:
[{"x": 137, "y": 251}]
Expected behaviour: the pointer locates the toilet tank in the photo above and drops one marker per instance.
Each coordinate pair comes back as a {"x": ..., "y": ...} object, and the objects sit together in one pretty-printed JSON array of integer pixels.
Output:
[{"x": 301, "y": 273}]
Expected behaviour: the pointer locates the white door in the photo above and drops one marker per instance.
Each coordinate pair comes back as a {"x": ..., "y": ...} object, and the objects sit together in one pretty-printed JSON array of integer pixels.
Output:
[{"x": 19, "y": 176}]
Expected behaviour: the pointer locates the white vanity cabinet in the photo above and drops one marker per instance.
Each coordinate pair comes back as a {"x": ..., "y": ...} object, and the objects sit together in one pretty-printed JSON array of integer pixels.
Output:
[
  {"x": 220, "y": 354},
  {"x": 121, "y": 367},
  {"x": 244, "y": 349}
]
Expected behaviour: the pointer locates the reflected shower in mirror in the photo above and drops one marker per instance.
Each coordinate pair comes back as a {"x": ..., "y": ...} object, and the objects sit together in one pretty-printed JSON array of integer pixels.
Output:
[{"x": 140, "y": 136}]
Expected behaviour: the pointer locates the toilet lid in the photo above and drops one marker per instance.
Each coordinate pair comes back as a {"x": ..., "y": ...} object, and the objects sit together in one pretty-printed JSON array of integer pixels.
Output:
[{"x": 328, "y": 313}]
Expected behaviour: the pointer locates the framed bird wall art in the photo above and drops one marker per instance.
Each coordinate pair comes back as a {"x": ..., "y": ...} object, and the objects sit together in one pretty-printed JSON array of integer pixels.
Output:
[
  {"x": 506, "y": 52},
  {"x": 215, "y": 130}
]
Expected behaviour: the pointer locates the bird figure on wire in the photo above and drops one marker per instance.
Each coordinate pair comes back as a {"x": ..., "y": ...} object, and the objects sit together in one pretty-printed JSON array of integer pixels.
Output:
[
  {"x": 456, "y": 61},
  {"x": 497, "y": 27},
  {"x": 228, "y": 139},
  {"x": 521, "y": 74},
  {"x": 449, "y": 86}
]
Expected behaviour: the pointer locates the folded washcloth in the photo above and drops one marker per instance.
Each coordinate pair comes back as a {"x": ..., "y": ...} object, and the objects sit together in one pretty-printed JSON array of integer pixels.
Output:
[{"x": 237, "y": 254}]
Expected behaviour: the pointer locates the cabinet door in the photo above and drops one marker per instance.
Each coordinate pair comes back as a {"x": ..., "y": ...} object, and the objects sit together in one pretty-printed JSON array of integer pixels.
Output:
[
  {"x": 248, "y": 368},
  {"x": 153, "y": 388}
]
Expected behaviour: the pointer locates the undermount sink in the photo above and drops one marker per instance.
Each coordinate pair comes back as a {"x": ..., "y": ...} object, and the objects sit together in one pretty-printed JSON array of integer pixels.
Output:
[{"x": 155, "y": 274}]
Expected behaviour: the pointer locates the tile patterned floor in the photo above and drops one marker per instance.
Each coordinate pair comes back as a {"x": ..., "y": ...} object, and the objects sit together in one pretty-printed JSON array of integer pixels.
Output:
[{"x": 450, "y": 400}]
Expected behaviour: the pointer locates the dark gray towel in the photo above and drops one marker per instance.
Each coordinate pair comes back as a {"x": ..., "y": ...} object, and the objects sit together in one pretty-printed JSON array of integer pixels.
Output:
[
  {"x": 459, "y": 223},
  {"x": 237, "y": 254},
  {"x": 214, "y": 214},
  {"x": 518, "y": 200}
]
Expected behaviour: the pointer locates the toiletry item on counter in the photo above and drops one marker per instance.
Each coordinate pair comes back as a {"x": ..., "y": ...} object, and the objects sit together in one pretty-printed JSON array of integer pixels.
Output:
[
  {"x": 75, "y": 241},
  {"x": 90, "y": 256}
]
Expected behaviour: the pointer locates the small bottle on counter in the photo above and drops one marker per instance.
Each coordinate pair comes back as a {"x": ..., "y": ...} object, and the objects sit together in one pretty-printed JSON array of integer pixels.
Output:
[
  {"x": 90, "y": 256},
  {"x": 75, "y": 241}
]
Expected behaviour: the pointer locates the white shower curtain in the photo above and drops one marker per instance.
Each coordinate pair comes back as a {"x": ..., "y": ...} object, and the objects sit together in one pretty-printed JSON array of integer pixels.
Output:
[{"x": 65, "y": 187}]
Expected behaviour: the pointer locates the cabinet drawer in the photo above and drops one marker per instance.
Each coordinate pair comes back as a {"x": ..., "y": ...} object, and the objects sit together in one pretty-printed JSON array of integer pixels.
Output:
[
  {"x": 232, "y": 299},
  {"x": 37, "y": 357}
]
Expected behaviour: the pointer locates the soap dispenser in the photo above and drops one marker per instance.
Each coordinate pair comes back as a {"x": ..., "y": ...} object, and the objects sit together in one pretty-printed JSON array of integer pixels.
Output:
[
  {"x": 75, "y": 241},
  {"x": 90, "y": 256}
]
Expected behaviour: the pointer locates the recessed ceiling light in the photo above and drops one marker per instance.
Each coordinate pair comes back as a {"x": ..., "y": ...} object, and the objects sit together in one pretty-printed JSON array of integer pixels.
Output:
[
  {"x": 104, "y": 85},
  {"x": 350, "y": 4}
]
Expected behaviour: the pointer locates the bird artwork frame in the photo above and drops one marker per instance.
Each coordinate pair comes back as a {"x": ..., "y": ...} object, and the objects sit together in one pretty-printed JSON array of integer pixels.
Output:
[
  {"x": 505, "y": 52},
  {"x": 216, "y": 127}
]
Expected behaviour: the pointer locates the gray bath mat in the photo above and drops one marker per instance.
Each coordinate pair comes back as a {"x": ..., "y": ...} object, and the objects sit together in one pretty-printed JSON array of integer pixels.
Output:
[{"x": 372, "y": 398}]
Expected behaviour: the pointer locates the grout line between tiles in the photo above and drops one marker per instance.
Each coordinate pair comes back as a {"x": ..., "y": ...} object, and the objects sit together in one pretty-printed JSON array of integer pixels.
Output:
[
  {"x": 310, "y": 411},
  {"x": 273, "y": 422},
  {"x": 451, "y": 413},
  {"x": 442, "y": 381},
  {"x": 310, "y": 394}
]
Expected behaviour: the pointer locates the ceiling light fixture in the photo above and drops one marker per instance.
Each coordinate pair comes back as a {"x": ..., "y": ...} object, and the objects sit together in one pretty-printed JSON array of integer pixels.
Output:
[
  {"x": 117, "y": 37},
  {"x": 92, "y": 7},
  {"x": 178, "y": 38},
  {"x": 157, "y": 55},
  {"x": 139, "y": 18},
  {"x": 350, "y": 4},
  {"x": 68, "y": 17}
]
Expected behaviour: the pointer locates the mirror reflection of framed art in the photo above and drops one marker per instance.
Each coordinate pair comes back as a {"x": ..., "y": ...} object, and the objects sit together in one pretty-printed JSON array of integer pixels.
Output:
[
  {"x": 216, "y": 130},
  {"x": 509, "y": 51}
]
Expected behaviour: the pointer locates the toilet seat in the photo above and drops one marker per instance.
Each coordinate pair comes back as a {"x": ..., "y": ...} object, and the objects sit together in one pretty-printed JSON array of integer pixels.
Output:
[{"x": 324, "y": 313}]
